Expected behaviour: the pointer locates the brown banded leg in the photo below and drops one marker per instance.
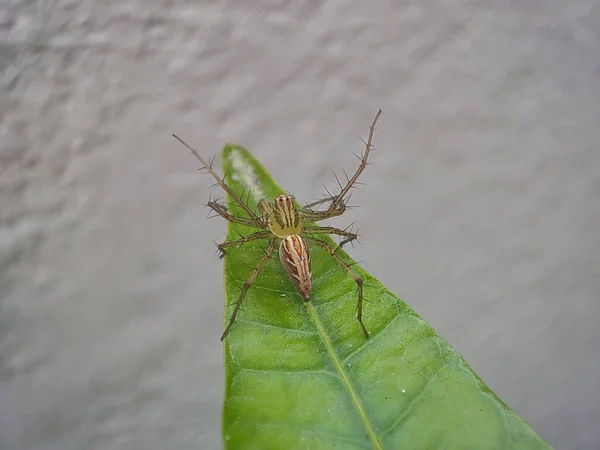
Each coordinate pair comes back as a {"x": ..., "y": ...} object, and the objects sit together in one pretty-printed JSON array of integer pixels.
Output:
[
  {"x": 321, "y": 201},
  {"x": 337, "y": 203},
  {"x": 247, "y": 285},
  {"x": 254, "y": 219},
  {"x": 349, "y": 237},
  {"x": 338, "y": 200},
  {"x": 359, "y": 282},
  {"x": 221, "y": 210},
  {"x": 310, "y": 215},
  {"x": 251, "y": 237}
]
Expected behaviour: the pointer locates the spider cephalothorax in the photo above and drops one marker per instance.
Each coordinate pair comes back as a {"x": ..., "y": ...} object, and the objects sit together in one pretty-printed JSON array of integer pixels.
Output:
[
  {"x": 281, "y": 222},
  {"x": 281, "y": 215}
]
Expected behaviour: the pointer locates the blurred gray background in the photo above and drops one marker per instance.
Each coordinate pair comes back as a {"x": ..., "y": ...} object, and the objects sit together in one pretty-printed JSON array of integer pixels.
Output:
[{"x": 482, "y": 208}]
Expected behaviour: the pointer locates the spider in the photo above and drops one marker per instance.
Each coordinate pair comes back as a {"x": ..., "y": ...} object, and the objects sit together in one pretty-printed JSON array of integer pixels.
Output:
[{"x": 282, "y": 223}]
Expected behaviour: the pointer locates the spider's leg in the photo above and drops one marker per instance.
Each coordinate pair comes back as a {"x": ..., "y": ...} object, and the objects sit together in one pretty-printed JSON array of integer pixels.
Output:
[
  {"x": 220, "y": 181},
  {"x": 263, "y": 234},
  {"x": 349, "y": 236},
  {"x": 327, "y": 199},
  {"x": 359, "y": 282},
  {"x": 310, "y": 215},
  {"x": 339, "y": 199},
  {"x": 247, "y": 285},
  {"x": 221, "y": 210}
]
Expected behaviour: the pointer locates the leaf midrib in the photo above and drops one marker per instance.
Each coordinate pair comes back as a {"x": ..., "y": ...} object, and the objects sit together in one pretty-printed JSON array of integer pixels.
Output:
[{"x": 345, "y": 379}]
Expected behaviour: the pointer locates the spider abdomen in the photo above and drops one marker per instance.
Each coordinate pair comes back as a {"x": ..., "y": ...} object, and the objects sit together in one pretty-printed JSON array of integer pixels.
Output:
[{"x": 294, "y": 256}]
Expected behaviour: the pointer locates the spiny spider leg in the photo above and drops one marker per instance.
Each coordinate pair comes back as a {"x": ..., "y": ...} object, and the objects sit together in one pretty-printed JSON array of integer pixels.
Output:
[
  {"x": 247, "y": 285},
  {"x": 264, "y": 234},
  {"x": 316, "y": 216},
  {"x": 338, "y": 200},
  {"x": 309, "y": 207},
  {"x": 359, "y": 282},
  {"x": 253, "y": 217},
  {"x": 319, "y": 202},
  {"x": 221, "y": 210},
  {"x": 332, "y": 230}
]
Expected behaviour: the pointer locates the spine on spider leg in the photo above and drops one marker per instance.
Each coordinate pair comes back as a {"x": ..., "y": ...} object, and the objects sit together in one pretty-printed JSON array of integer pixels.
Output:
[
  {"x": 339, "y": 199},
  {"x": 295, "y": 259}
]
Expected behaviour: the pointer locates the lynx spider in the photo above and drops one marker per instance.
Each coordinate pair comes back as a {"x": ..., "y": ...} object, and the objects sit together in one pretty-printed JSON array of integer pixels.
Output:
[{"x": 280, "y": 221}]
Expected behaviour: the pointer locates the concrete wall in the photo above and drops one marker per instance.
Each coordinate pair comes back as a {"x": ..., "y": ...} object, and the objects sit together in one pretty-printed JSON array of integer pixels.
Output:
[{"x": 482, "y": 209}]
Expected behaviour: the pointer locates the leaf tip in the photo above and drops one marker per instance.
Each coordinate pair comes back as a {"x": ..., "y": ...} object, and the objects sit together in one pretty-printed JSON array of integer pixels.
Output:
[{"x": 232, "y": 150}]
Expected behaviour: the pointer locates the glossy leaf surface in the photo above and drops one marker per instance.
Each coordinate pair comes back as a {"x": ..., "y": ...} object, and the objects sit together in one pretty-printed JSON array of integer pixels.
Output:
[{"x": 305, "y": 377}]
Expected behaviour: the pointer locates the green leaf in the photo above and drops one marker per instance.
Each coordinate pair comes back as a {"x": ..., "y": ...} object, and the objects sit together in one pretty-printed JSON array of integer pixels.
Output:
[{"x": 303, "y": 376}]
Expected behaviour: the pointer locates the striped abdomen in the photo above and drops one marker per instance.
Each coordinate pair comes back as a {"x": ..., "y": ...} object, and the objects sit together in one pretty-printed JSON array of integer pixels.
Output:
[{"x": 295, "y": 258}]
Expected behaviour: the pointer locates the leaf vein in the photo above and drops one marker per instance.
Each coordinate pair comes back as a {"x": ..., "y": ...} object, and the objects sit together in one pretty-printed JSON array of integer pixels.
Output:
[
  {"x": 242, "y": 370},
  {"x": 278, "y": 327},
  {"x": 414, "y": 401},
  {"x": 345, "y": 379}
]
